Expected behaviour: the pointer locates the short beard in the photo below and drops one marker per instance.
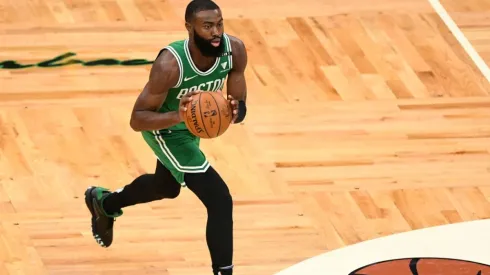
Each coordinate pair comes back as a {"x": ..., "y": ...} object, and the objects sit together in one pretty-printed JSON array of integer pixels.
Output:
[{"x": 206, "y": 48}]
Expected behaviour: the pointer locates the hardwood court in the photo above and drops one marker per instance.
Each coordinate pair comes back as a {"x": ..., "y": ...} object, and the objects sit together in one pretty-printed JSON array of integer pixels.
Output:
[{"x": 365, "y": 119}]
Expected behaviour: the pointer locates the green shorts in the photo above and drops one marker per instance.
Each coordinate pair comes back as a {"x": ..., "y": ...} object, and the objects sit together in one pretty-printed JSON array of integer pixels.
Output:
[{"x": 178, "y": 151}]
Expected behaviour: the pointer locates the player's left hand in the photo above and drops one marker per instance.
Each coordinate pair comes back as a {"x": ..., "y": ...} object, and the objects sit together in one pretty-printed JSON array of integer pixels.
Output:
[{"x": 234, "y": 107}]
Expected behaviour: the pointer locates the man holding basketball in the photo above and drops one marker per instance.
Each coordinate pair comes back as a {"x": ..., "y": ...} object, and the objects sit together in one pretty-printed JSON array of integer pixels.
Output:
[{"x": 182, "y": 69}]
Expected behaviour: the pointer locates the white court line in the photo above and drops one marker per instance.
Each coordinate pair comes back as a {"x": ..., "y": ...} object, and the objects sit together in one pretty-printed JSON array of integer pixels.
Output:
[{"x": 436, "y": 4}]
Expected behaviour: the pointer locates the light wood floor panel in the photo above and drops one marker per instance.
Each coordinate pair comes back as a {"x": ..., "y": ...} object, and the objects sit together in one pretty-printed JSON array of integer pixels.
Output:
[
  {"x": 139, "y": 11},
  {"x": 366, "y": 119}
]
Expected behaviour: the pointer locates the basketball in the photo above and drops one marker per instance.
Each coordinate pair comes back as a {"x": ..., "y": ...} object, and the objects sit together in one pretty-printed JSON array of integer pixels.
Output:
[
  {"x": 424, "y": 266},
  {"x": 208, "y": 115}
]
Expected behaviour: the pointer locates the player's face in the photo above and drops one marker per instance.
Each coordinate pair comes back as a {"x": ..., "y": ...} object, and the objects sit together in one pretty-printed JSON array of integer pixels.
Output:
[{"x": 207, "y": 31}]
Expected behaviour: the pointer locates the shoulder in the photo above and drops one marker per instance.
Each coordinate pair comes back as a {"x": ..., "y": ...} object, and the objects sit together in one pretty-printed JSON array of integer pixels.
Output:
[
  {"x": 237, "y": 45},
  {"x": 166, "y": 59},
  {"x": 165, "y": 70},
  {"x": 239, "y": 52},
  {"x": 170, "y": 54}
]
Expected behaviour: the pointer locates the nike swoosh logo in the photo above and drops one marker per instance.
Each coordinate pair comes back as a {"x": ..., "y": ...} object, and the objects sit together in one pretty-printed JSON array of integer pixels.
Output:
[{"x": 189, "y": 78}]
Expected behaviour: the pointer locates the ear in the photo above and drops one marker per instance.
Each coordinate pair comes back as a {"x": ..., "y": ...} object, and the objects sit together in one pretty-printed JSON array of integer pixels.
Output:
[{"x": 188, "y": 26}]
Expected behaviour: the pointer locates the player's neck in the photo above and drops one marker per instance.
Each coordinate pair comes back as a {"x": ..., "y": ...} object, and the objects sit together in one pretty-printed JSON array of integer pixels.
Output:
[{"x": 202, "y": 62}]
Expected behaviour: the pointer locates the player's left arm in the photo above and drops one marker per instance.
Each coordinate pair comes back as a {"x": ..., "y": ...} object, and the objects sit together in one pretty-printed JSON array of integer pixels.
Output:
[{"x": 236, "y": 84}]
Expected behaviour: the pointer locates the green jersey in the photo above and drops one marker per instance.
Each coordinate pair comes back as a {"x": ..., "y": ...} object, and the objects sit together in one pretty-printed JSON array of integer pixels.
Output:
[
  {"x": 176, "y": 148},
  {"x": 192, "y": 79}
]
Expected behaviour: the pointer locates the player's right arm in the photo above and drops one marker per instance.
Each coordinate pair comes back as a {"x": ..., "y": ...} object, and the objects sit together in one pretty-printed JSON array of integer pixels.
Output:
[{"x": 164, "y": 74}]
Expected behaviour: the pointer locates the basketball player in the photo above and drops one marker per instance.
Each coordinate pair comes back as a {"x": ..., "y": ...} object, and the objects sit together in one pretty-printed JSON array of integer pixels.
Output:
[{"x": 181, "y": 70}]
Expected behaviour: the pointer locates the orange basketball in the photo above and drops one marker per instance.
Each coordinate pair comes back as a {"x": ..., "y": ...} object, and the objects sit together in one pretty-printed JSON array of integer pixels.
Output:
[
  {"x": 424, "y": 266},
  {"x": 208, "y": 115}
]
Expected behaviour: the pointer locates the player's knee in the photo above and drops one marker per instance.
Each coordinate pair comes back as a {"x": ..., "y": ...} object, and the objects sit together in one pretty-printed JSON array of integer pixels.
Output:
[
  {"x": 226, "y": 201},
  {"x": 222, "y": 205},
  {"x": 172, "y": 194},
  {"x": 213, "y": 192},
  {"x": 163, "y": 189},
  {"x": 166, "y": 192}
]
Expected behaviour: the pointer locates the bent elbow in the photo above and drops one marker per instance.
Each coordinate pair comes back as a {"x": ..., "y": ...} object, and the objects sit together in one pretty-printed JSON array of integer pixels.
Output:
[{"x": 134, "y": 125}]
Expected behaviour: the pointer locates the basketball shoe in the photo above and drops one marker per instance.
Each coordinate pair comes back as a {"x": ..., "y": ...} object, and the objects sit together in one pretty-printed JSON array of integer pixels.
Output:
[{"x": 102, "y": 223}]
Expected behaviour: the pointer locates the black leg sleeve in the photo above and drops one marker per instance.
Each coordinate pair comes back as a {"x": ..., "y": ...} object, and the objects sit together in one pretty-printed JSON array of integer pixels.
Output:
[
  {"x": 215, "y": 195},
  {"x": 145, "y": 188}
]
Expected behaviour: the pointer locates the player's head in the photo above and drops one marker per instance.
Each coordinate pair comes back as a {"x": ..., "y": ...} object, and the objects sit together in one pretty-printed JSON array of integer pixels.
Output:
[{"x": 204, "y": 23}]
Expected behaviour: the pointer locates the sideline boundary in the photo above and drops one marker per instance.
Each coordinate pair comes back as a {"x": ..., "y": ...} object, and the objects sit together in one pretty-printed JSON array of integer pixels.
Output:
[{"x": 465, "y": 43}]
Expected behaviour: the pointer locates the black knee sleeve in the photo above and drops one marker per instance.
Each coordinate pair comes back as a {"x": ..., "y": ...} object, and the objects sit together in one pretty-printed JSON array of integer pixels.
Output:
[
  {"x": 213, "y": 193},
  {"x": 221, "y": 207}
]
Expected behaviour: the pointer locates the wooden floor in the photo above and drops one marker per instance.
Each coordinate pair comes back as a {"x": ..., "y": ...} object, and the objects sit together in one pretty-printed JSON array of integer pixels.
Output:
[{"x": 366, "y": 118}]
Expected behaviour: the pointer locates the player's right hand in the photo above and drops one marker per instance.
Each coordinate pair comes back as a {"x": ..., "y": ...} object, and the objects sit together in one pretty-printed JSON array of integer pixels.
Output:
[{"x": 186, "y": 99}]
